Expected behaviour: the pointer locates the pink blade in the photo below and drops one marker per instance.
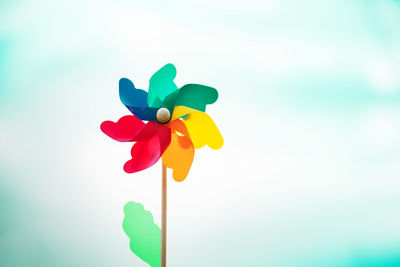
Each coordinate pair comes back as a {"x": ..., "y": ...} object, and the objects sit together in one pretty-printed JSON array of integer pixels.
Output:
[
  {"x": 124, "y": 130},
  {"x": 146, "y": 151}
]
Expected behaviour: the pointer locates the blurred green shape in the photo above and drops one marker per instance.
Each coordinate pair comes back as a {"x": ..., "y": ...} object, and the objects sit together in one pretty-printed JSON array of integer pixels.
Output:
[{"x": 144, "y": 234}]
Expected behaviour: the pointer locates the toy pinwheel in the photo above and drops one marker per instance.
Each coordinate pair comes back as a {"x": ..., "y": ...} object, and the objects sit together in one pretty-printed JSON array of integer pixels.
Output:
[{"x": 177, "y": 125}]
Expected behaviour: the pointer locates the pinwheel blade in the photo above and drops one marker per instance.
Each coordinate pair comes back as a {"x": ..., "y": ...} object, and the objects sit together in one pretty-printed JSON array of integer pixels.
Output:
[
  {"x": 161, "y": 85},
  {"x": 194, "y": 96},
  {"x": 130, "y": 96},
  {"x": 136, "y": 100},
  {"x": 180, "y": 153},
  {"x": 124, "y": 130},
  {"x": 145, "y": 114},
  {"x": 147, "y": 151},
  {"x": 203, "y": 131},
  {"x": 181, "y": 111}
]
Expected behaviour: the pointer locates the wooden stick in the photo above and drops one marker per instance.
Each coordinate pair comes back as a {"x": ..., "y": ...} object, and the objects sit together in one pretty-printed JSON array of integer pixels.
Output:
[{"x": 164, "y": 217}]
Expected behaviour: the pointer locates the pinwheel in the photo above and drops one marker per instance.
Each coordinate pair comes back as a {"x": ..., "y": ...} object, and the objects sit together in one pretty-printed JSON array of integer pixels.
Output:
[{"x": 176, "y": 125}]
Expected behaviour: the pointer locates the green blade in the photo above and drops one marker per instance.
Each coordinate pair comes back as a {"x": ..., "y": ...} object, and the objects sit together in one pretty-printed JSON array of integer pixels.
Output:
[
  {"x": 161, "y": 85},
  {"x": 196, "y": 96}
]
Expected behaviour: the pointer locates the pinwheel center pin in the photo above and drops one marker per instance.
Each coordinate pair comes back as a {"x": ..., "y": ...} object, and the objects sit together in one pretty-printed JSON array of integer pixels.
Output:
[{"x": 163, "y": 115}]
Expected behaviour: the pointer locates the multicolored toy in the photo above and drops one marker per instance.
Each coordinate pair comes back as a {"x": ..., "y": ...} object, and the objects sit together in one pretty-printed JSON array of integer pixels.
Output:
[{"x": 177, "y": 125}]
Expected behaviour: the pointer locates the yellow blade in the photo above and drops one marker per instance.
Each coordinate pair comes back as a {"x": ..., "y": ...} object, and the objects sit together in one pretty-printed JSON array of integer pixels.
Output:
[
  {"x": 180, "y": 111},
  {"x": 202, "y": 130}
]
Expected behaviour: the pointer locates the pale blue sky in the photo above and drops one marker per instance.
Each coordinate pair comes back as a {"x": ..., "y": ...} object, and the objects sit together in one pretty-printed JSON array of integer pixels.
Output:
[{"x": 309, "y": 174}]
